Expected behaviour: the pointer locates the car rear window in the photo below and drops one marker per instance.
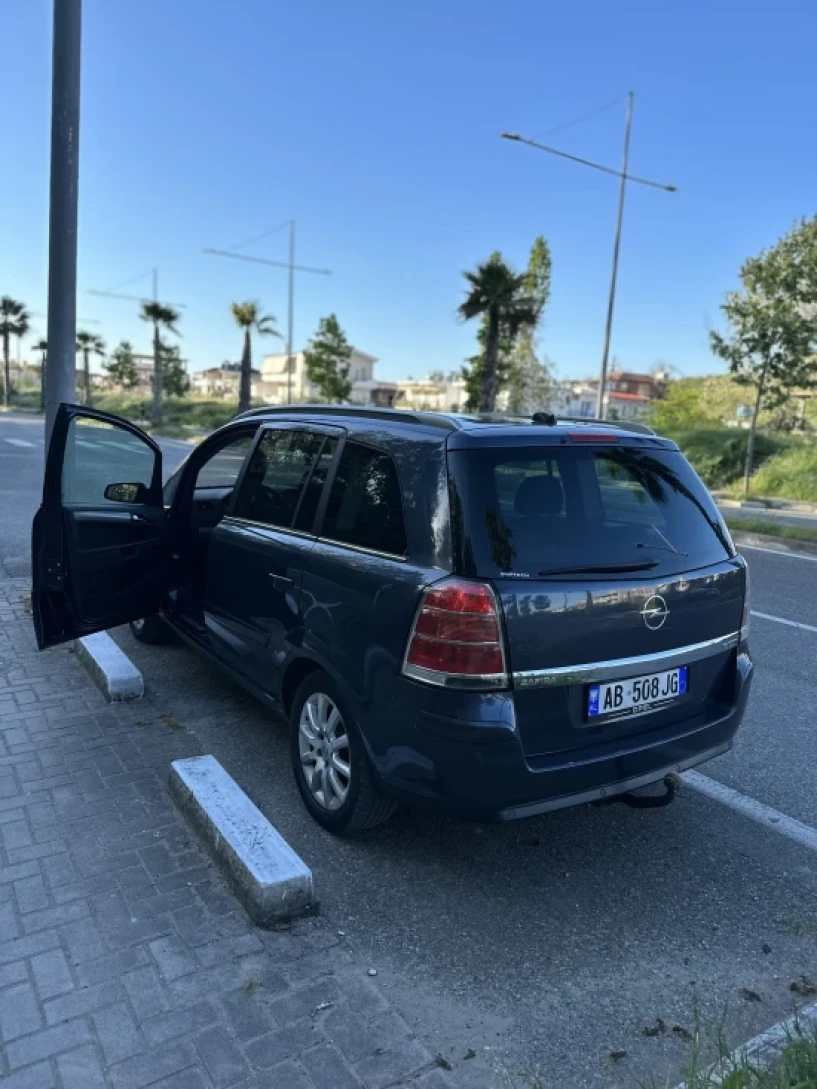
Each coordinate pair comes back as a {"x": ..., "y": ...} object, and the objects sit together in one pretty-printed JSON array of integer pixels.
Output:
[{"x": 535, "y": 511}]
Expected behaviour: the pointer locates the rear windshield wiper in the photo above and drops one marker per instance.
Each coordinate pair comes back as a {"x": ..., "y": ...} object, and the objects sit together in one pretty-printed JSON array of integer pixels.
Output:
[
  {"x": 668, "y": 545},
  {"x": 601, "y": 569}
]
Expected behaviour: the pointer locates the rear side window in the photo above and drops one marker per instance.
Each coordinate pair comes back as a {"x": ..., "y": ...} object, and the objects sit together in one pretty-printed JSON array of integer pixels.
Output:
[
  {"x": 531, "y": 513},
  {"x": 365, "y": 507},
  {"x": 277, "y": 477}
]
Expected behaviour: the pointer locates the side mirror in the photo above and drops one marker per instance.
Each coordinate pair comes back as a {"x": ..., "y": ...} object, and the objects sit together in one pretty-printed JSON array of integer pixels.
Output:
[{"x": 126, "y": 493}]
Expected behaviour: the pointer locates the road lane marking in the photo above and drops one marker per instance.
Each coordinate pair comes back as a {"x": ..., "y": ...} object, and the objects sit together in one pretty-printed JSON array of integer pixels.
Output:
[
  {"x": 20, "y": 442},
  {"x": 781, "y": 620},
  {"x": 749, "y": 807},
  {"x": 778, "y": 552}
]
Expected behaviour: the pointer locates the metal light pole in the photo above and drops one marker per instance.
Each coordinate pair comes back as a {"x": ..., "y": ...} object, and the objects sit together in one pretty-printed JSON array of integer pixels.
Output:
[
  {"x": 290, "y": 319},
  {"x": 611, "y": 302},
  {"x": 623, "y": 177},
  {"x": 60, "y": 370}
]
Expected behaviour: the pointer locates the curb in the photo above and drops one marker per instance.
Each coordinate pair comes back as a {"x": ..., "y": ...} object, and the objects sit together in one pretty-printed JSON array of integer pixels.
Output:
[
  {"x": 112, "y": 671},
  {"x": 763, "y": 1050},
  {"x": 269, "y": 878},
  {"x": 768, "y": 540}
]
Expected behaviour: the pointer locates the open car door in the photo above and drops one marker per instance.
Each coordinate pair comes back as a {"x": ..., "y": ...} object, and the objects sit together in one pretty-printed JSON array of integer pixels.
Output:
[{"x": 98, "y": 540}]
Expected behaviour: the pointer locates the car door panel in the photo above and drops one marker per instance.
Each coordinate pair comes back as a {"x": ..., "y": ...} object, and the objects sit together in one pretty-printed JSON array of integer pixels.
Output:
[
  {"x": 96, "y": 562},
  {"x": 252, "y": 608}
]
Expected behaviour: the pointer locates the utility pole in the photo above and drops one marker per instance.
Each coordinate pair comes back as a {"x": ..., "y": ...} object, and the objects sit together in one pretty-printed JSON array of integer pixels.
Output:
[
  {"x": 611, "y": 302},
  {"x": 60, "y": 369},
  {"x": 623, "y": 177},
  {"x": 292, "y": 268},
  {"x": 290, "y": 320}
]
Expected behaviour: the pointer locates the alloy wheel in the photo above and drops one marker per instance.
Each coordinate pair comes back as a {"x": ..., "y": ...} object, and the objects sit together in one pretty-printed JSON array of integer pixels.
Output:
[{"x": 324, "y": 749}]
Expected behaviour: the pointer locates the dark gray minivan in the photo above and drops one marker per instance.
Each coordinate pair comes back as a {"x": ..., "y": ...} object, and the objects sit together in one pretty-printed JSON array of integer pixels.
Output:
[{"x": 498, "y": 618}]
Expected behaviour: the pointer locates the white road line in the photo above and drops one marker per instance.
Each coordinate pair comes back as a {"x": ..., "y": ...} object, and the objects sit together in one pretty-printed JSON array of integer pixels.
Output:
[
  {"x": 781, "y": 620},
  {"x": 778, "y": 552},
  {"x": 771, "y": 818},
  {"x": 20, "y": 442}
]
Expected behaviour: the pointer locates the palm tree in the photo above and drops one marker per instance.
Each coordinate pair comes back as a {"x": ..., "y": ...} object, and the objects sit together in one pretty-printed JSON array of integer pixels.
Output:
[
  {"x": 42, "y": 347},
  {"x": 248, "y": 316},
  {"x": 498, "y": 294},
  {"x": 87, "y": 343},
  {"x": 14, "y": 320},
  {"x": 161, "y": 317}
]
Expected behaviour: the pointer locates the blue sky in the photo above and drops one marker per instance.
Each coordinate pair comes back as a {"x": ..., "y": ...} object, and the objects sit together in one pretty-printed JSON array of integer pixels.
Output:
[{"x": 376, "y": 125}]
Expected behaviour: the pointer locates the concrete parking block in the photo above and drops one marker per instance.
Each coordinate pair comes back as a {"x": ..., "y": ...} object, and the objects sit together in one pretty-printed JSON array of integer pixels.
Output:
[
  {"x": 113, "y": 672},
  {"x": 269, "y": 878}
]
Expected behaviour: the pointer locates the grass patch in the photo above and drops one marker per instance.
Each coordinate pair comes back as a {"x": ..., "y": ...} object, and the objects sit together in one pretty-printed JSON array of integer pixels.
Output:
[
  {"x": 788, "y": 475},
  {"x": 171, "y": 722},
  {"x": 718, "y": 455},
  {"x": 250, "y": 986},
  {"x": 795, "y": 1068},
  {"x": 177, "y": 412},
  {"x": 768, "y": 527}
]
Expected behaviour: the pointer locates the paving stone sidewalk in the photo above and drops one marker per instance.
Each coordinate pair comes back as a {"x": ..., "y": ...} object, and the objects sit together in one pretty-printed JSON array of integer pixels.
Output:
[{"x": 125, "y": 962}]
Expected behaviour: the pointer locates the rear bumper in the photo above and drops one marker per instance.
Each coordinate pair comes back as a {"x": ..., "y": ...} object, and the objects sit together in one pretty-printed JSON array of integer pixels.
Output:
[{"x": 472, "y": 764}]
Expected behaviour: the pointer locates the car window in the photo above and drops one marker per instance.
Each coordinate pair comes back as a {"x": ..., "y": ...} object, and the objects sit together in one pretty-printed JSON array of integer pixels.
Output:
[
  {"x": 305, "y": 515},
  {"x": 277, "y": 476},
  {"x": 98, "y": 454},
  {"x": 365, "y": 507},
  {"x": 524, "y": 514},
  {"x": 222, "y": 469}
]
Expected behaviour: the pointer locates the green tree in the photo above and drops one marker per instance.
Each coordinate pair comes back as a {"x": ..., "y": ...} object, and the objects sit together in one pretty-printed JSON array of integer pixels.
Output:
[
  {"x": 175, "y": 382},
  {"x": 248, "y": 316},
  {"x": 161, "y": 317},
  {"x": 87, "y": 343},
  {"x": 327, "y": 360},
  {"x": 14, "y": 322},
  {"x": 529, "y": 380},
  {"x": 122, "y": 366},
  {"x": 772, "y": 324},
  {"x": 501, "y": 298},
  {"x": 681, "y": 408}
]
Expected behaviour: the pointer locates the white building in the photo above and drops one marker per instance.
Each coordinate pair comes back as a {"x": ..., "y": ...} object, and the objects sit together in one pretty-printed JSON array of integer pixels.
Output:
[
  {"x": 435, "y": 393},
  {"x": 276, "y": 387}
]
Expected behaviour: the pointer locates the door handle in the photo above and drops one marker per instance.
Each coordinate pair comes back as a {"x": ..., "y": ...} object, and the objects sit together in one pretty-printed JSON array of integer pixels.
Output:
[{"x": 280, "y": 582}]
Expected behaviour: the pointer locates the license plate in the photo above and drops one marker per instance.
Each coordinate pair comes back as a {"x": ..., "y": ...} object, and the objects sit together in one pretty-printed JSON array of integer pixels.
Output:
[{"x": 637, "y": 694}]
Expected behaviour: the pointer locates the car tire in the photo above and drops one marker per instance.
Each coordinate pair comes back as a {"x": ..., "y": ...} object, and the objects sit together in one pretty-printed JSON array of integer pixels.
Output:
[
  {"x": 150, "y": 629},
  {"x": 342, "y": 801}
]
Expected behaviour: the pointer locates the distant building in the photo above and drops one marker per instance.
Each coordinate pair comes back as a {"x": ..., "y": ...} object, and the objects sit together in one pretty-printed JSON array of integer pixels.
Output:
[
  {"x": 278, "y": 387},
  {"x": 627, "y": 395},
  {"x": 223, "y": 381},
  {"x": 435, "y": 393}
]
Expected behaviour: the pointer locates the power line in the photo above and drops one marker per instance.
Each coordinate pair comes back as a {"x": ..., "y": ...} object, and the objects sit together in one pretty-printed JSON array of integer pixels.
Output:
[
  {"x": 259, "y": 237},
  {"x": 578, "y": 120}
]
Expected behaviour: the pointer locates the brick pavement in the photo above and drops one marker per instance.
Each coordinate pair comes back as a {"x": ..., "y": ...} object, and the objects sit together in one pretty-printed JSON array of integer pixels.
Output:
[{"x": 125, "y": 962}]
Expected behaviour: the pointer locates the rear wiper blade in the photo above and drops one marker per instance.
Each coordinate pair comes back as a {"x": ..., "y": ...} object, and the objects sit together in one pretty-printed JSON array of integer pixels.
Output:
[{"x": 601, "y": 569}]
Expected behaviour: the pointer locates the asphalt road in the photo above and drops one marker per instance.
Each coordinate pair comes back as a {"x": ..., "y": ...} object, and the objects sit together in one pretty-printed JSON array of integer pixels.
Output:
[{"x": 553, "y": 942}]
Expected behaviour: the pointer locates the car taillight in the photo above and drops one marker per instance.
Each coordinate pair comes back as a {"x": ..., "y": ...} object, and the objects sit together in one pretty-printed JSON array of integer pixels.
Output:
[
  {"x": 456, "y": 640},
  {"x": 744, "y": 624}
]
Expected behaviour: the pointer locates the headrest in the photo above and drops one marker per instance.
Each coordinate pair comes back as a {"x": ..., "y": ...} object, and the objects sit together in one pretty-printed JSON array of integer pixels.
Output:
[{"x": 539, "y": 497}]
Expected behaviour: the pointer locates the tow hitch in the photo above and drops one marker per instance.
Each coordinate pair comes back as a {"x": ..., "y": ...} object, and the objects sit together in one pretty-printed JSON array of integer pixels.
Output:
[{"x": 672, "y": 784}]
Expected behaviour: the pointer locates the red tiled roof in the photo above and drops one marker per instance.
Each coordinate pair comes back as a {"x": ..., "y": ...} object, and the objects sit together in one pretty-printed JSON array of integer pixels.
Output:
[{"x": 614, "y": 396}]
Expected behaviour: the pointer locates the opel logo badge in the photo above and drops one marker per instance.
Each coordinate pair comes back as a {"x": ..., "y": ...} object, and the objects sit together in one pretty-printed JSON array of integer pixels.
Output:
[{"x": 655, "y": 612}]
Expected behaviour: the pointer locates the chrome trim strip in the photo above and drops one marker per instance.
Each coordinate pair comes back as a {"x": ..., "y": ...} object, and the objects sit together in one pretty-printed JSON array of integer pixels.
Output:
[
  {"x": 235, "y": 520},
  {"x": 532, "y": 809},
  {"x": 361, "y": 548},
  {"x": 623, "y": 667},
  {"x": 461, "y": 681}
]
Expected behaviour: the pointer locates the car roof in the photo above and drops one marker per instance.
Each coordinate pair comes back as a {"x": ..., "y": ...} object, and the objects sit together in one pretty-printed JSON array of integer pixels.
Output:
[{"x": 466, "y": 429}]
